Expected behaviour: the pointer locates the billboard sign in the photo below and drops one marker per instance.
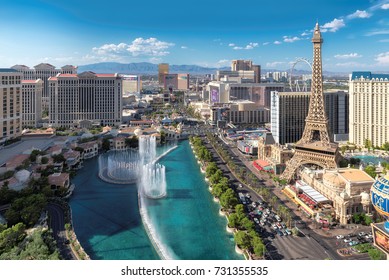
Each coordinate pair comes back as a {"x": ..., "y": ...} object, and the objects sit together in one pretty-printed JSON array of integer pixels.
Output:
[
  {"x": 381, "y": 239},
  {"x": 214, "y": 95}
]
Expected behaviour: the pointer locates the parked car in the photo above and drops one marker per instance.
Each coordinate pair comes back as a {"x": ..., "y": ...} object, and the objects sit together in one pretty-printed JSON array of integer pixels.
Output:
[
  {"x": 339, "y": 237},
  {"x": 353, "y": 243},
  {"x": 288, "y": 231},
  {"x": 361, "y": 233},
  {"x": 347, "y": 240}
]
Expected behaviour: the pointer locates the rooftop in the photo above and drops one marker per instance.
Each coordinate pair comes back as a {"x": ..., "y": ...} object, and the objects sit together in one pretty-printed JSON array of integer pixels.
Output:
[
  {"x": 58, "y": 179},
  {"x": 7, "y": 70},
  {"x": 355, "y": 175},
  {"x": 368, "y": 75}
]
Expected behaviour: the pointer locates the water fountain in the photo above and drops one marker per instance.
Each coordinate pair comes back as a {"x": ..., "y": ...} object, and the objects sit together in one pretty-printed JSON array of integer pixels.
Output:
[
  {"x": 119, "y": 167},
  {"x": 147, "y": 148},
  {"x": 152, "y": 181}
]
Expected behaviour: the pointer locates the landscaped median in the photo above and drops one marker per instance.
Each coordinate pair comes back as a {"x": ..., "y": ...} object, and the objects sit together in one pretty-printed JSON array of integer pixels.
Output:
[
  {"x": 247, "y": 240},
  {"x": 75, "y": 246}
]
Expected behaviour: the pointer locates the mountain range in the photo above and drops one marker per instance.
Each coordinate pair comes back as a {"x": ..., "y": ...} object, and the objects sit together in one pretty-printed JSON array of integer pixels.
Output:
[{"x": 152, "y": 69}]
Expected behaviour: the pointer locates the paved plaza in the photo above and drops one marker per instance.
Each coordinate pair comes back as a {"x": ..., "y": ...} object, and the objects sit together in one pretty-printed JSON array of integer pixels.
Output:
[{"x": 23, "y": 146}]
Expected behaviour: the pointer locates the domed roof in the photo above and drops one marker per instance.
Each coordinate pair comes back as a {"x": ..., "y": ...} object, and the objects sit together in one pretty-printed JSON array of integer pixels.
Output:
[
  {"x": 333, "y": 179},
  {"x": 380, "y": 195},
  {"x": 22, "y": 175}
]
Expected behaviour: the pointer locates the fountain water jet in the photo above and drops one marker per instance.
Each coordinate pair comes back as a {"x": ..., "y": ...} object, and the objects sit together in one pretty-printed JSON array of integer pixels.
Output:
[
  {"x": 153, "y": 180},
  {"x": 119, "y": 167}
]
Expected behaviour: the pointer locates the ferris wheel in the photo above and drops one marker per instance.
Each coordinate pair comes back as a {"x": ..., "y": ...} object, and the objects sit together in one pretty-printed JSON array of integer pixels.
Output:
[{"x": 295, "y": 84}]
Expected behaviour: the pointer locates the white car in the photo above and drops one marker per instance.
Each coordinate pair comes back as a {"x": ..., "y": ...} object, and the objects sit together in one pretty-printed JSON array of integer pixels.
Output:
[
  {"x": 347, "y": 240},
  {"x": 361, "y": 233},
  {"x": 339, "y": 237}
]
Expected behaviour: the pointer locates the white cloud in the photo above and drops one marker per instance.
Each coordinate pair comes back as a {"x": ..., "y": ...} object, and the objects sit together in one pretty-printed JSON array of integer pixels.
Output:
[
  {"x": 385, "y": 7},
  {"x": 384, "y": 41},
  {"x": 110, "y": 48},
  {"x": 222, "y": 62},
  {"x": 382, "y": 59},
  {"x": 333, "y": 26},
  {"x": 350, "y": 64},
  {"x": 149, "y": 47},
  {"x": 155, "y": 59},
  {"x": 291, "y": 39},
  {"x": 347, "y": 56},
  {"x": 138, "y": 47},
  {"x": 266, "y": 43},
  {"x": 305, "y": 34},
  {"x": 277, "y": 43},
  {"x": 184, "y": 47},
  {"x": 274, "y": 64},
  {"x": 359, "y": 14},
  {"x": 250, "y": 46},
  {"x": 378, "y": 32}
]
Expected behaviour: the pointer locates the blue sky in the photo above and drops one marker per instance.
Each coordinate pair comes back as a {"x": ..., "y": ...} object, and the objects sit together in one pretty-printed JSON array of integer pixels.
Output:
[{"x": 207, "y": 33}]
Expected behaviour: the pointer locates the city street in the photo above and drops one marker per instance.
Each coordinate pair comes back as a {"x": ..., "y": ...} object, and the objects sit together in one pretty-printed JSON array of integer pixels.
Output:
[{"x": 309, "y": 244}]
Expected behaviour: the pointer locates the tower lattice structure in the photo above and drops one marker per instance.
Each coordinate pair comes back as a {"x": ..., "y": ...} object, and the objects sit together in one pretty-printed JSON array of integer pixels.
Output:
[{"x": 315, "y": 146}]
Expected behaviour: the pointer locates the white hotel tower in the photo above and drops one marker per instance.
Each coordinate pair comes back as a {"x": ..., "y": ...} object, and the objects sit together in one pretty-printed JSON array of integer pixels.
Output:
[
  {"x": 369, "y": 103},
  {"x": 80, "y": 100}
]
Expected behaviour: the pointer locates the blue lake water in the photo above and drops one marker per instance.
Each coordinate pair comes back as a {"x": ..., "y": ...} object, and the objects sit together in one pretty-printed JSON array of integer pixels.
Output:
[{"x": 108, "y": 224}]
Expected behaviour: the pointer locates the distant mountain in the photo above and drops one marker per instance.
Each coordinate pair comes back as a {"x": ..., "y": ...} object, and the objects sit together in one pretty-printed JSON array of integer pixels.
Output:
[
  {"x": 144, "y": 68},
  {"x": 152, "y": 69}
]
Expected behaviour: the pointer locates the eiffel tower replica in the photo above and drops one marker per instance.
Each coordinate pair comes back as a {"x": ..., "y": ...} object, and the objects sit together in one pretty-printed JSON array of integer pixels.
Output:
[{"x": 315, "y": 146}]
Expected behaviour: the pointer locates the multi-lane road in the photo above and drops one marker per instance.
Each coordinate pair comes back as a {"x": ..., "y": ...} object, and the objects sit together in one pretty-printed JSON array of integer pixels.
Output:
[{"x": 308, "y": 245}]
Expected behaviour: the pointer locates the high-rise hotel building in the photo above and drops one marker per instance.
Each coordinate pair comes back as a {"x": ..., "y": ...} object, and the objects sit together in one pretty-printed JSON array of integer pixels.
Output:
[
  {"x": 31, "y": 102},
  {"x": 369, "y": 103},
  {"x": 87, "y": 98},
  {"x": 163, "y": 69},
  {"x": 44, "y": 71},
  {"x": 10, "y": 104},
  {"x": 289, "y": 110}
]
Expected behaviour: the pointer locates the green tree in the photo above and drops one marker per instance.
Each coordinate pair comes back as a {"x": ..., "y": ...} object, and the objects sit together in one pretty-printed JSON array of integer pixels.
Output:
[
  {"x": 357, "y": 218},
  {"x": 58, "y": 158},
  {"x": 385, "y": 146},
  {"x": 242, "y": 239},
  {"x": 371, "y": 171},
  {"x": 258, "y": 246},
  {"x": 34, "y": 154},
  {"x": 228, "y": 199},
  {"x": 105, "y": 144},
  {"x": 233, "y": 220},
  {"x": 10, "y": 237},
  {"x": 218, "y": 189},
  {"x": 26, "y": 209},
  {"x": 44, "y": 160},
  {"x": 247, "y": 224},
  {"x": 367, "y": 144},
  {"x": 216, "y": 177},
  {"x": 132, "y": 142},
  {"x": 295, "y": 231}
]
